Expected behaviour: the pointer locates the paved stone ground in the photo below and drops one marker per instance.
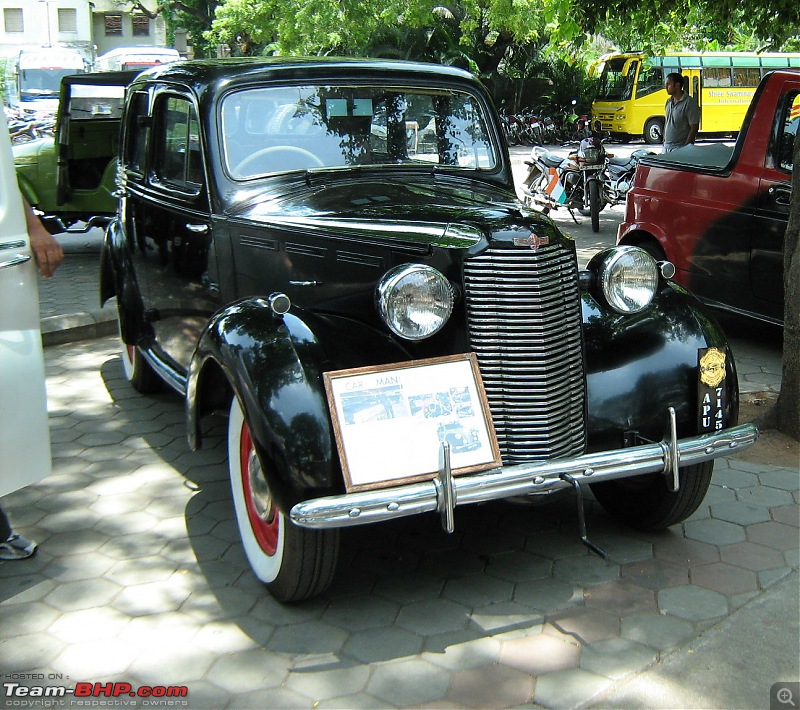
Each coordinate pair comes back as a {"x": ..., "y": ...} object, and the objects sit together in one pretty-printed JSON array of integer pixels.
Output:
[{"x": 141, "y": 579}]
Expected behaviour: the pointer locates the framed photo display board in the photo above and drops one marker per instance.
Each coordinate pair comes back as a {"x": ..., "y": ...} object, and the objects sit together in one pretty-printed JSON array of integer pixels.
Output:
[{"x": 390, "y": 420}]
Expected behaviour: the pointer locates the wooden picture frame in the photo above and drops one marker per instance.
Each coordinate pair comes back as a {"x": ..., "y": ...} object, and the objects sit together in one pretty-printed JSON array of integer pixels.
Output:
[{"x": 389, "y": 420}]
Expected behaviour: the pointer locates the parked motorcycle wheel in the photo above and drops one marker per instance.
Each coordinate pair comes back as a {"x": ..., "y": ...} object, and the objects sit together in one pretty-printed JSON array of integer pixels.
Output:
[{"x": 594, "y": 204}]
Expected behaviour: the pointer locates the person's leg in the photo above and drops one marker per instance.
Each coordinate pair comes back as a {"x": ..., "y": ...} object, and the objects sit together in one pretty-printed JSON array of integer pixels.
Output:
[
  {"x": 5, "y": 526},
  {"x": 12, "y": 545}
]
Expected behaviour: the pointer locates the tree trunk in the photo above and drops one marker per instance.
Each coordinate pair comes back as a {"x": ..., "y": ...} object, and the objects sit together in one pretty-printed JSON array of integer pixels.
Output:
[{"x": 785, "y": 415}]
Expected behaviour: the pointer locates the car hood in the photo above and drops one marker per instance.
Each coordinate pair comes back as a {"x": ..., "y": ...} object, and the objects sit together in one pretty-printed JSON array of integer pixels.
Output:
[{"x": 442, "y": 211}]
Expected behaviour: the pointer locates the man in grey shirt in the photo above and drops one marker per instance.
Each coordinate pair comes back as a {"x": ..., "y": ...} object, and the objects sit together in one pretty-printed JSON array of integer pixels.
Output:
[{"x": 682, "y": 115}]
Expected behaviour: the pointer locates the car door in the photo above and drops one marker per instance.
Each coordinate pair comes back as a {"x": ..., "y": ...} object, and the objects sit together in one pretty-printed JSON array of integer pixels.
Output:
[
  {"x": 180, "y": 285},
  {"x": 772, "y": 209},
  {"x": 24, "y": 433}
]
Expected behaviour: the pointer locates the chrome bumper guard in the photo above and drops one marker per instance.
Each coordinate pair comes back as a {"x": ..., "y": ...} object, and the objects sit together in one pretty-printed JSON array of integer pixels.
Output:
[{"x": 445, "y": 492}]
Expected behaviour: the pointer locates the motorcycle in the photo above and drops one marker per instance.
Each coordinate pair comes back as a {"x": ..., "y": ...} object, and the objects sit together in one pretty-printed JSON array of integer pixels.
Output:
[
  {"x": 618, "y": 175},
  {"x": 575, "y": 181}
]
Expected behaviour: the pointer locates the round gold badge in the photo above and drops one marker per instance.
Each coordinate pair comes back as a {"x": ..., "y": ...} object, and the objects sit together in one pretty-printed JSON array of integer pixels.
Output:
[{"x": 712, "y": 367}]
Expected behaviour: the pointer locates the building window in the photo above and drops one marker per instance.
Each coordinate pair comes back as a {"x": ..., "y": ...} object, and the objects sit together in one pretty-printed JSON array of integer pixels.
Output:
[
  {"x": 67, "y": 19},
  {"x": 141, "y": 25},
  {"x": 12, "y": 19},
  {"x": 113, "y": 25}
]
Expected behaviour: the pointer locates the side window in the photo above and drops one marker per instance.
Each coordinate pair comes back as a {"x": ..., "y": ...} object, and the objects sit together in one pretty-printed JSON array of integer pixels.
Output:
[
  {"x": 137, "y": 130},
  {"x": 791, "y": 119},
  {"x": 178, "y": 161},
  {"x": 717, "y": 76},
  {"x": 651, "y": 79},
  {"x": 744, "y": 76}
]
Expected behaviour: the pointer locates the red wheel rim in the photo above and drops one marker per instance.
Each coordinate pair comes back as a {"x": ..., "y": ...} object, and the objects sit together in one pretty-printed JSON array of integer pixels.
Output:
[
  {"x": 263, "y": 519},
  {"x": 131, "y": 352}
]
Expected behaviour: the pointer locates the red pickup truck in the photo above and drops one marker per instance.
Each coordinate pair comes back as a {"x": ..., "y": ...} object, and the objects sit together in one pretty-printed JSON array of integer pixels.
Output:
[{"x": 719, "y": 213}]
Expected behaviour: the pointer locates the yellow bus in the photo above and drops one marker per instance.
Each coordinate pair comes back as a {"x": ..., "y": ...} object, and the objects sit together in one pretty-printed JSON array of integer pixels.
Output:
[{"x": 631, "y": 98}]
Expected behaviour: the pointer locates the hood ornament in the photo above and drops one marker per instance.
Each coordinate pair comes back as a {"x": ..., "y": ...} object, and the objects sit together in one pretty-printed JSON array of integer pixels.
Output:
[{"x": 533, "y": 240}]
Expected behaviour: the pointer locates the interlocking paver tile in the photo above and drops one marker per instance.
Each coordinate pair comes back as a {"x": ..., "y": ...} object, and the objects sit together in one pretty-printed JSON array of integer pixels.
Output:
[
  {"x": 360, "y": 701},
  {"x": 785, "y": 478},
  {"x": 433, "y": 616},
  {"x": 548, "y": 594},
  {"x": 18, "y": 620},
  {"x": 249, "y": 670},
  {"x": 461, "y": 650},
  {"x": 655, "y": 574},
  {"x": 29, "y": 652},
  {"x": 478, "y": 590},
  {"x": 724, "y": 578},
  {"x": 714, "y": 532},
  {"x": 491, "y": 686},
  {"x": 751, "y": 556},
  {"x": 670, "y": 545},
  {"x": 519, "y": 566},
  {"x": 310, "y": 637},
  {"x": 732, "y": 478},
  {"x": 765, "y": 496},
  {"x": 328, "y": 683},
  {"x": 656, "y": 630},
  {"x": 787, "y": 514},
  {"x": 621, "y": 598},
  {"x": 96, "y": 658},
  {"x": 88, "y": 624},
  {"x": 503, "y": 617},
  {"x": 361, "y": 612},
  {"x": 586, "y": 571},
  {"x": 692, "y": 603},
  {"x": 83, "y": 594},
  {"x": 741, "y": 513},
  {"x": 540, "y": 654},
  {"x": 585, "y": 625},
  {"x": 617, "y": 657},
  {"x": 376, "y": 645},
  {"x": 568, "y": 688},
  {"x": 775, "y": 535},
  {"x": 408, "y": 682}
]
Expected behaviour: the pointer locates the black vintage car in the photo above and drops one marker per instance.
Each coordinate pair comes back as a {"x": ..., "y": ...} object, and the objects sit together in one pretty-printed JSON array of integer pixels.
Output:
[{"x": 284, "y": 219}]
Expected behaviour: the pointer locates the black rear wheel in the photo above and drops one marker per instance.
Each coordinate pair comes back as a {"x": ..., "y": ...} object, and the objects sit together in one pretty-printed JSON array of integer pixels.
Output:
[
  {"x": 645, "y": 502},
  {"x": 138, "y": 372}
]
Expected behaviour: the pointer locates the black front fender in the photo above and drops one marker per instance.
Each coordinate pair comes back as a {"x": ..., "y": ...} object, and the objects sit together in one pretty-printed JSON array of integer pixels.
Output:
[
  {"x": 274, "y": 365},
  {"x": 638, "y": 366}
]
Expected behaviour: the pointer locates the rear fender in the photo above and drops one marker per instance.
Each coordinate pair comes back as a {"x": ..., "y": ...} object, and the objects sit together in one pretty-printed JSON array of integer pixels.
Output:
[
  {"x": 117, "y": 278},
  {"x": 274, "y": 364}
]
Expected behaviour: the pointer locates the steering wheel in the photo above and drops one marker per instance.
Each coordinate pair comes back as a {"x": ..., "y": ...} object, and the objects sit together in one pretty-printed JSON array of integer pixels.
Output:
[{"x": 284, "y": 157}]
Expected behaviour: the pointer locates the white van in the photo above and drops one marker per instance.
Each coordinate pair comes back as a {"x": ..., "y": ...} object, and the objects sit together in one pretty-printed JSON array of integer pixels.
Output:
[{"x": 135, "y": 58}]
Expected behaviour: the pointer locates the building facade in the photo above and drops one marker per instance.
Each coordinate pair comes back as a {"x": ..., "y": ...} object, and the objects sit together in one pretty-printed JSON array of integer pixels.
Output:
[{"x": 92, "y": 26}]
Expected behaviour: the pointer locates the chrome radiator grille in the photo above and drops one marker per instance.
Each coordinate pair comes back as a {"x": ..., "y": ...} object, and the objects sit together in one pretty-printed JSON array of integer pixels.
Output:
[{"x": 524, "y": 320}]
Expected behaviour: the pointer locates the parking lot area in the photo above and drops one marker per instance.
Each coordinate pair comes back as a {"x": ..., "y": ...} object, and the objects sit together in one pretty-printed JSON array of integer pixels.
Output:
[{"x": 141, "y": 581}]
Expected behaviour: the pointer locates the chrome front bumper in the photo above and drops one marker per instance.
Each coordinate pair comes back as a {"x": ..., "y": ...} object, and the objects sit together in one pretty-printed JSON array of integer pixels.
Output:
[{"x": 445, "y": 492}]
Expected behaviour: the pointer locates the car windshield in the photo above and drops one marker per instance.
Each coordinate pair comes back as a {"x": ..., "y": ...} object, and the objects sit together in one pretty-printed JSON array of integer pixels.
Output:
[{"x": 271, "y": 130}]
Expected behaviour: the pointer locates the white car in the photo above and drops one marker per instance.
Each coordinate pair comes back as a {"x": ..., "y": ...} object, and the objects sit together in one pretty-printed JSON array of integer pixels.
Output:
[{"x": 24, "y": 433}]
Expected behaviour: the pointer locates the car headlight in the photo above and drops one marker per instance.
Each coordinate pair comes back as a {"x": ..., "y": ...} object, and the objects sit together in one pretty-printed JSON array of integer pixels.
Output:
[
  {"x": 414, "y": 300},
  {"x": 628, "y": 278}
]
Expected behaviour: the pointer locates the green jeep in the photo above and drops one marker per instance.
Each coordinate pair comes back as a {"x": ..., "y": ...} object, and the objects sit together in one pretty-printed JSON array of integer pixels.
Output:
[{"x": 69, "y": 177}]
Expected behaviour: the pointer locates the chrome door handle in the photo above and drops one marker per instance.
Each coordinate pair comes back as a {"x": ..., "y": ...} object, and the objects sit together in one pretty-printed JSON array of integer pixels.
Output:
[
  {"x": 197, "y": 228},
  {"x": 15, "y": 261}
]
